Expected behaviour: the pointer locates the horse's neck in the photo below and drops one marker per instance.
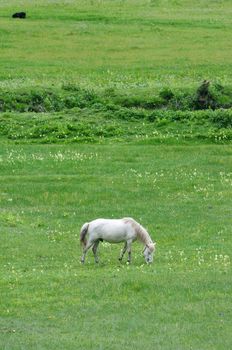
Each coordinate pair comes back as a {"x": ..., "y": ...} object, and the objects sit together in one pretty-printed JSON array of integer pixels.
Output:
[{"x": 143, "y": 235}]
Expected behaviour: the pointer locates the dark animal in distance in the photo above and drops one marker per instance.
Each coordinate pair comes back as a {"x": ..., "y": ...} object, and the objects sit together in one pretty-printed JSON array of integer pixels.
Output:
[{"x": 19, "y": 15}]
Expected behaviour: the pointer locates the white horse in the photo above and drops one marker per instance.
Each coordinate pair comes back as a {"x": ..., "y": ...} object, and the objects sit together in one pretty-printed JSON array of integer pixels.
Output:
[{"x": 114, "y": 231}]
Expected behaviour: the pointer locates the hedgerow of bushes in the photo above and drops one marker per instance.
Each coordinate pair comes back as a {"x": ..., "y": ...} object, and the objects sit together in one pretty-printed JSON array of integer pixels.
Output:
[
  {"x": 46, "y": 100},
  {"x": 206, "y": 96},
  {"x": 81, "y": 114}
]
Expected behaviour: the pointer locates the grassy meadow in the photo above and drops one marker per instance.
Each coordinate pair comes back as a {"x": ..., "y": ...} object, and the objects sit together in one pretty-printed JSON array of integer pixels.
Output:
[
  {"x": 102, "y": 114},
  {"x": 182, "y": 195},
  {"x": 139, "y": 44}
]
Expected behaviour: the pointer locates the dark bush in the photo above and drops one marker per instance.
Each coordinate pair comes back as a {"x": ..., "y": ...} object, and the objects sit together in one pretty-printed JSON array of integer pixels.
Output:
[
  {"x": 204, "y": 98},
  {"x": 166, "y": 94}
]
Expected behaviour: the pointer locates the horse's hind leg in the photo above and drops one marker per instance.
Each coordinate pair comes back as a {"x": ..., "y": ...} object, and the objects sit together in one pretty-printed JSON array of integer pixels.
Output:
[
  {"x": 86, "y": 248},
  {"x": 123, "y": 252},
  {"x": 94, "y": 249}
]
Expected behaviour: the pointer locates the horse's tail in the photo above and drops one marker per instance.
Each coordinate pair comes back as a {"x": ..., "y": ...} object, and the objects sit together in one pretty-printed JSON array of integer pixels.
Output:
[{"x": 83, "y": 233}]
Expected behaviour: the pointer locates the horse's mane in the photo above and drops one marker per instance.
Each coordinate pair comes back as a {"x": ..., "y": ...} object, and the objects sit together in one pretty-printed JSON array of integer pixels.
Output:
[{"x": 142, "y": 233}]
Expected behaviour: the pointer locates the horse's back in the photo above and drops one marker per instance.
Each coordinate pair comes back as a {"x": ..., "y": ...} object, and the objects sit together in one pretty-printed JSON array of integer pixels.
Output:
[
  {"x": 106, "y": 224},
  {"x": 112, "y": 230},
  {"x": 112, "y": 222}
]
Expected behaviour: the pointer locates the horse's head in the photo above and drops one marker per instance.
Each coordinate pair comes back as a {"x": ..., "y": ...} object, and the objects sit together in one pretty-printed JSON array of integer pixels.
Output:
[{"x": 148, "y": 252}]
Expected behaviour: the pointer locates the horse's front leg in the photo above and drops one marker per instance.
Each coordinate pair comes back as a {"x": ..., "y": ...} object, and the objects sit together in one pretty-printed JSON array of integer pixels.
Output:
[
  {"x": 94, "y": 249},
  {"x": 129, "y": 251},
  {"x": 123, "y": 252}
]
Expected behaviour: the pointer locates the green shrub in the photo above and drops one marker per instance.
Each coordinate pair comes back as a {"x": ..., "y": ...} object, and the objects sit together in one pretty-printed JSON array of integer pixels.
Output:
[
  {"x": 220, "y": 135},
  {"x": 222, "y": 118},
  {"x": 130, "y": 113},
  {"x": 212, "y": 96}
]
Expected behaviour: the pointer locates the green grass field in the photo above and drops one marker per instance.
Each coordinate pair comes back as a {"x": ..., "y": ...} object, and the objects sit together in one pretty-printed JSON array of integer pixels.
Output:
[
  {"x": 100, "y": 117},
  {"x": 181, "y": 194},
  {"x": 129, "y": 44}
]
